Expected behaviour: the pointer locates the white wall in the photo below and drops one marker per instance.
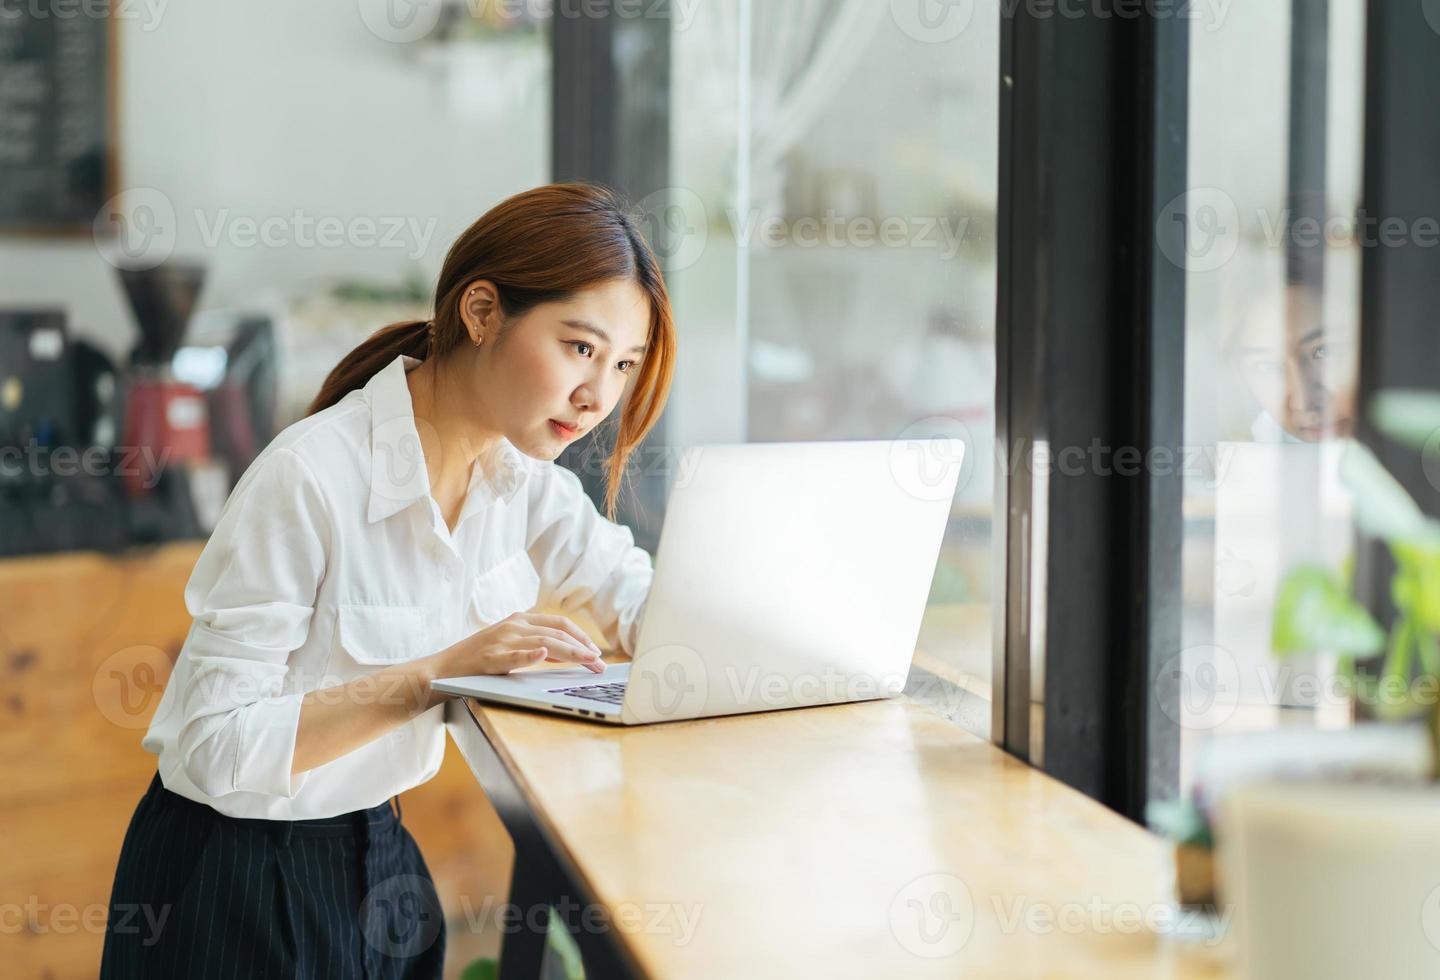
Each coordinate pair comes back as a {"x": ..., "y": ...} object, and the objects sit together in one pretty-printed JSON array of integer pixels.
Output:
[{"x": 258, "y": 109}]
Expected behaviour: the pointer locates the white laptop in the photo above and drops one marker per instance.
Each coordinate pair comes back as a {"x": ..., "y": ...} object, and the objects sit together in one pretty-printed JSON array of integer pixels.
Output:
[{"x": 787, "y": 575}]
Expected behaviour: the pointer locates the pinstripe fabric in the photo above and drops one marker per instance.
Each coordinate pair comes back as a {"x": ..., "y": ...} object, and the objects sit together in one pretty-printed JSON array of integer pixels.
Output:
[{"x": 201, "y": 895}]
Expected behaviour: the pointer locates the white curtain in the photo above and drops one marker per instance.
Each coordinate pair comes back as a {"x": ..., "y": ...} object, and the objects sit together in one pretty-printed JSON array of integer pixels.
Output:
[{"x": 802, "y": 52}]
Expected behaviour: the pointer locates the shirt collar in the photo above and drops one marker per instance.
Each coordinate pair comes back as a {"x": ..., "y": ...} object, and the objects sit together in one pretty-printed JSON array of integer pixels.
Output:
[{"x": 397, "y": 464}]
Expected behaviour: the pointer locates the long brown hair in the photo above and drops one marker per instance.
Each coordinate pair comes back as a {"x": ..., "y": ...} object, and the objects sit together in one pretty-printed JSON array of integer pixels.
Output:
[{"x": 539, "y": 246}]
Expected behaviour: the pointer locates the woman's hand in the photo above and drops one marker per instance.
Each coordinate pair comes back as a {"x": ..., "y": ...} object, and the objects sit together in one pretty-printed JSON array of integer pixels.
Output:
[
  {"x": 332, "y": 723},
  {"x": 518, "y": 640}
]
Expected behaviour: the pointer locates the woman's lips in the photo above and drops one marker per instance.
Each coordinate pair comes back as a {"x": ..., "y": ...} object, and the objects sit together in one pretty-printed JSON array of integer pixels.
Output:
[{"x": 564, "y": 431}]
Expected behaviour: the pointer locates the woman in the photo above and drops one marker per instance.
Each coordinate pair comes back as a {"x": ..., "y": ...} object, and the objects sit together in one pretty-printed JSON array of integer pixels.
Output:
[{"x": 400, "y": 533}]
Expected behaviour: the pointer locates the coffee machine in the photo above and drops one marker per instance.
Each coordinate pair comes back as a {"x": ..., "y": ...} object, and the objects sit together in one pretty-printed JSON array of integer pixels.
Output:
[
  {"x": 167, "y": 426},
  {"x": 58, "y": 410}
]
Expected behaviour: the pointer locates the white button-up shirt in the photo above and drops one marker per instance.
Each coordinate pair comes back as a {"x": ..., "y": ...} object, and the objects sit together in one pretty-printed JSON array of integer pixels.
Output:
[{"x": 331, "y": 560}]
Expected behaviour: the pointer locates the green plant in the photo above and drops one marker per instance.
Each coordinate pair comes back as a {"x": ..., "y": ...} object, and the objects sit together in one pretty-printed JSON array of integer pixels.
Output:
[
  {"x": 562, "y": 951},
  {"x": 1314, "y": 608}
]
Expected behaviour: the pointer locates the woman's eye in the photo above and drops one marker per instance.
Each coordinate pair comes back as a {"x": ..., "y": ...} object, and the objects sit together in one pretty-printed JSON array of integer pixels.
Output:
[
  {"x": 579, "y": 344},
  {"x": 627, "y": 367},
  {"x": 1320, "y": 353}
]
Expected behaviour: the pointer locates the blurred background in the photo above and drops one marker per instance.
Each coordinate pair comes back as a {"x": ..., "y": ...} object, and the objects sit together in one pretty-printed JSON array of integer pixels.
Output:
[{"x": 204, "y": 206}]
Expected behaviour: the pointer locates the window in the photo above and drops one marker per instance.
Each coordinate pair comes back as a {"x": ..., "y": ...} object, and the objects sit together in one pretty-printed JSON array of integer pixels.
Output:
[
  {"x": 1273, "y": 312},
  {"x": 837, "y": 162}
]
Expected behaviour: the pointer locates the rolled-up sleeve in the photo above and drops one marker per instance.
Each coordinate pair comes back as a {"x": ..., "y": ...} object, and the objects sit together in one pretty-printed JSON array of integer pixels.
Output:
[
  {"x": 586, "y": 562},
  {"x": 252, "y": 596}
]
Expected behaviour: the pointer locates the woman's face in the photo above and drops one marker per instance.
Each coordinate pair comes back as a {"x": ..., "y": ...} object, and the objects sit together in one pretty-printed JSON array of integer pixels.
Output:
[{"x": 562, "y": 364}]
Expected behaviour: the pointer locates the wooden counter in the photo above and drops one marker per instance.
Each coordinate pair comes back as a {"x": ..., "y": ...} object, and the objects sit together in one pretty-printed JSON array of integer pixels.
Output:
[
  {"x": 86, "y": 643},
  {"x": 866, "y": 840}
]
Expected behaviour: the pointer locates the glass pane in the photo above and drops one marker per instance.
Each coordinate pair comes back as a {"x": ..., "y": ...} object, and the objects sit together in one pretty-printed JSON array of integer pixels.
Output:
[
  {"x": 1273, "y": 275},
  {"x": 850, "y": 293}
]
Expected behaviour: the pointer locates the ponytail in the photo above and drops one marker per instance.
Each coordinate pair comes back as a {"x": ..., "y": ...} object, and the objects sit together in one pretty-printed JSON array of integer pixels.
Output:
[{"x": 410, "y": 337}]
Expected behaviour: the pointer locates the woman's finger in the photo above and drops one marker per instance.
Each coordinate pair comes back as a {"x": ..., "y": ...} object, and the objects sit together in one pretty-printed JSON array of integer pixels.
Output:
[
  {"x": 565, "y": 624},
  {"x": 567, "y": 651},
  {"x": 508, "y": 660},
  {"x": 562, "y": 637}
]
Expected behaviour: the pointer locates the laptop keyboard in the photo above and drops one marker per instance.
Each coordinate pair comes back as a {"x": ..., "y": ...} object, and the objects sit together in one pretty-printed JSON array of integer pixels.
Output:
[{"x": 611, "y": 693}]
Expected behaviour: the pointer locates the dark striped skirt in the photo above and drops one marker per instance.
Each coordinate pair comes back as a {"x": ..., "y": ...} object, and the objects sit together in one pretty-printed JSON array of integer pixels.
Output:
[{"x": 198, "y": 894}]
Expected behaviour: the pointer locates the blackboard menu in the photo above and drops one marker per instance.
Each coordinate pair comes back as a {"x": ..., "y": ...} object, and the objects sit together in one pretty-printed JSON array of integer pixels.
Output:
[{"x": 56, "y": 113}]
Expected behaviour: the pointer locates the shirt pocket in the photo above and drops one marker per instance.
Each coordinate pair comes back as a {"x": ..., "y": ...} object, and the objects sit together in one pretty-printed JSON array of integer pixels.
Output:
[
  {"x": 511, "y": 586},
  {"x": 376, "y": 635}
]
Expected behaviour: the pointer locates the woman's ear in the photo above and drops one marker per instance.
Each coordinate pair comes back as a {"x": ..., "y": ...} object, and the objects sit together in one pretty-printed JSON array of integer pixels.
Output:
[{"x": 479, "y": 308}]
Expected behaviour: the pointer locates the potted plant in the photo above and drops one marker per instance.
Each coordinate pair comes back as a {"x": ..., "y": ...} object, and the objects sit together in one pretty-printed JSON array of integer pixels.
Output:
[
  {"x": 1315, "y": 611},
  {"x": 1313, "y": 865}
]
